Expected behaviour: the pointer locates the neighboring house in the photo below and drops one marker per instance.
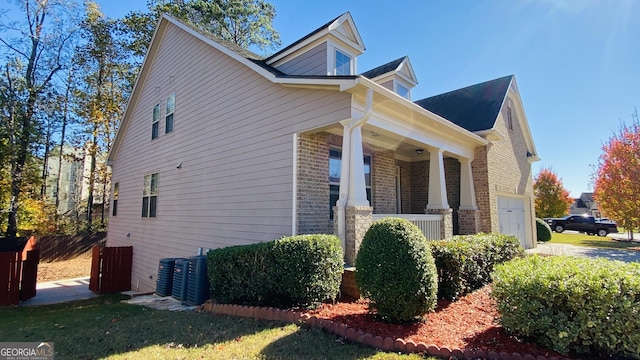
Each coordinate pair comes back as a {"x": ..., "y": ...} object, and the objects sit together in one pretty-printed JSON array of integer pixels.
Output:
[
  {"x": 220, "y": 147},
  {"x": 74, "y": 186},
  {"x": 585, "y": 204}
]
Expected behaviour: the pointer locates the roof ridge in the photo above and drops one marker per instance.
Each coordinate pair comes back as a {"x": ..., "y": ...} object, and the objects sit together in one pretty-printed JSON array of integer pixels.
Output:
[{"x": 467, "y": 87}]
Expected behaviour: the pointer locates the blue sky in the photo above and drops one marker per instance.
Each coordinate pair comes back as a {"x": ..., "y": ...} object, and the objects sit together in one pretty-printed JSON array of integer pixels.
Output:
[{"x": 576, "y": 62}]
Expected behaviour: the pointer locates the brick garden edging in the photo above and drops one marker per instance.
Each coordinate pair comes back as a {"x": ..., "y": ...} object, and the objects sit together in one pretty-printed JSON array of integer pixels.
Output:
[{"x": 359, "y": 336}]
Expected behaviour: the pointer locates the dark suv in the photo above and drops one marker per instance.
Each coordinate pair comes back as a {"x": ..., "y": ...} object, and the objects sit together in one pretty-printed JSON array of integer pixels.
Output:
[{"x": 582, "y": 223}]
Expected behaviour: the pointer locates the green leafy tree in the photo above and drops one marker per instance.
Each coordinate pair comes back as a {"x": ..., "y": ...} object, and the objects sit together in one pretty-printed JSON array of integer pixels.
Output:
[
  {"x": 100, "y": 97},
  {"x": 245, "y": 23},
  {"x": 551, "y": 198},
  {"x": 34, "y": 49},
  {"x": 617, "y": 179}
]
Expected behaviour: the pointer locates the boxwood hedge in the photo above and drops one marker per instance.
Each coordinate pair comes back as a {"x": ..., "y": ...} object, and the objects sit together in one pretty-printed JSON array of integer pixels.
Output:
[
  {"x": 543, "y": 230},
  {"x": 293, "y": 271},
  {"x": 395, "y": 270},
  {"x": 465, "y": 262},
  {"x": 572, "y": 304}
]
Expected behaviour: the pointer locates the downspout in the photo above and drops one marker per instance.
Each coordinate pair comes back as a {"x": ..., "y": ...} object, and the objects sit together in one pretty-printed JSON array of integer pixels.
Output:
[{"x": 345, "y": 166}]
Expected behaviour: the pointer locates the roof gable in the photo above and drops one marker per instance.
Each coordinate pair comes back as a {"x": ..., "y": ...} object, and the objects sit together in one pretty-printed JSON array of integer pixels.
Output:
[
  {"x": 343, "y": 29},
  {"x": 400, "y": 67},
  {"x": 474, "y": 107}
]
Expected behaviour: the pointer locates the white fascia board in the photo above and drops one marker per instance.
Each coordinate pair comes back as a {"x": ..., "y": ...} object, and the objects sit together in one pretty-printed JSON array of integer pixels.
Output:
[
  {"x": 428, "y": 139},
  {"x": 464, "y": 133},
  {"x": 524, "y": 123},
  {"x": 135, "y": 93},
  {"x": 346, "y": 17},
  {"x": 340, "y": 83},
  {"x": 311, "y": 42}
]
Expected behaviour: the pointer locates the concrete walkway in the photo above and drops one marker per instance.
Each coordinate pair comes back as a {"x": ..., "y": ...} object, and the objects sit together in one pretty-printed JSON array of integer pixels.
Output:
[
  {"x": 60, "y": 291},
  {"x": 571, "y": 250}
]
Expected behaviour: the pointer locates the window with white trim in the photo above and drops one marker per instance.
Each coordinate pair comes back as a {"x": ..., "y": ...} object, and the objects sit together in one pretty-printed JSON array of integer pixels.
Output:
[
  {"x": 343, "y": 63},
  {"x": 155, "y": 127},
  {"x": 335, "y": 165},
  {"x": 402, "y": 90},
  {"x": 150, "y": 195},
  {"x": 171, "y": 107}
]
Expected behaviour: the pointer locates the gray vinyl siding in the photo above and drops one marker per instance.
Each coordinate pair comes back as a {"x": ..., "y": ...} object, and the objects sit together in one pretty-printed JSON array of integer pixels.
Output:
[
  {"x": 388, "y": 85},
  {"x": 233, "y": 133},
  {"x": 313, "y": 62}
]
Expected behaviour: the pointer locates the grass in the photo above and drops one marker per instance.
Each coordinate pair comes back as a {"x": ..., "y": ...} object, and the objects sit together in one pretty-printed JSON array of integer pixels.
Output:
[
  {"x": 105, "y": 328},
  {"x": 590, "y": 241}
]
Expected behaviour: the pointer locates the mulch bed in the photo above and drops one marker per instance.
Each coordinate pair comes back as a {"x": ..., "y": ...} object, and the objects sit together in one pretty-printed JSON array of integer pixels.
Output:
[{"x": 469, "y": 323}]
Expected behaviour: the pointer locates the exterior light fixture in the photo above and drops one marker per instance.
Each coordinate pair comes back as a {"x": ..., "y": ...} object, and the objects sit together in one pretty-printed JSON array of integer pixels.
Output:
[{"x": 420, "y": 151}]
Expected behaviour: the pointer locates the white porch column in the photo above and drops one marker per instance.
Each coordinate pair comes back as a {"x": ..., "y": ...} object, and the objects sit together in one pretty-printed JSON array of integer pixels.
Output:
[
  {"x": 467, "y": 190},
  {"x": 437, "y": 186},
  {"x": 357, "y": 185}
]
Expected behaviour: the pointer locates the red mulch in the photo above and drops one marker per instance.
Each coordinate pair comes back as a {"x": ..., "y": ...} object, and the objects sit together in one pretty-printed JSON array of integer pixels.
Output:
[{"x": 469, "y": 323}]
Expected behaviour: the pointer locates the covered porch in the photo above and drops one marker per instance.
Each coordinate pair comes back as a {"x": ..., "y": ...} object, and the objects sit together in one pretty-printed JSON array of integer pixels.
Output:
[{"x": 395, "y": 162}]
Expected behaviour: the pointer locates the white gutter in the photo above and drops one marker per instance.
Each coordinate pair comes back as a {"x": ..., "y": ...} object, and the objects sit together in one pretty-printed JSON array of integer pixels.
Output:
[{"x": 345, "y": 166}]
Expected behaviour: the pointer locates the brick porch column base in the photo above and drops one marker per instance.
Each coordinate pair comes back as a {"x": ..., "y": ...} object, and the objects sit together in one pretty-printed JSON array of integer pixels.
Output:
[
  {"x": 358, "y": 220},
  {"x": 468, "y": 222},
  {"x": 446, "y": 227}
]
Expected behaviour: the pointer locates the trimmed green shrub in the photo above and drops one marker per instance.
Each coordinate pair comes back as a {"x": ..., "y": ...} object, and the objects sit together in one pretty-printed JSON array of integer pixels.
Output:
[
  {"x": 294, "y": 271},
  {"x": 543, "y": 230},
  {"x": 308, "y": 268},
  {"x": 395, "y": 270},
  {"x": 572, "y": 304},
  {"x": 465, "y": 262}
]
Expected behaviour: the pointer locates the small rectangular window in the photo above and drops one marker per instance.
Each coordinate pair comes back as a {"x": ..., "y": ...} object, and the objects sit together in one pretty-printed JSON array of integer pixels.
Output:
[
  {"x": 509, "y": 119},
  {"x": 171, "y": 107},
  {"x": 114, "y": 211},
  {"x": 150, "y": 195},
  {"x": 402, "y": 91},
  {"x": 335, "y": 163},
  {"x": 156, "y": 122},
  {"x": 343, "y": 63}
]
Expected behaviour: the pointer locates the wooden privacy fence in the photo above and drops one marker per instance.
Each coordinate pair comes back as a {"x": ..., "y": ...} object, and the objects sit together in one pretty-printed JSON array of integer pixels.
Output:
[
  {"x": 18, "y": 277},
  {"x": 111, "y": 269}
]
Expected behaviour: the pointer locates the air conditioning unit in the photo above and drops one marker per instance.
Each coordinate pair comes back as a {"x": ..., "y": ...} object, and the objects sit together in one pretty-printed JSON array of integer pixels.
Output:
[
  {"x": 164, "y": 281},
  {"x": 180, "y": 277},
  {"x": 198, "y": 290}
]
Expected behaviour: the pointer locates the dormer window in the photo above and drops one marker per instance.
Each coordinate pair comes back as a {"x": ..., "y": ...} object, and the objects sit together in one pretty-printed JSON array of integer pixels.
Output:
[
  {"x": 402, "y": 90},
  {"x": 343, "y": 63}
]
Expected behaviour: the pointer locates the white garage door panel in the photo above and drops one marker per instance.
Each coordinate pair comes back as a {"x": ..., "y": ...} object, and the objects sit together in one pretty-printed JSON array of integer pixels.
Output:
[{"x": 511, "y": 217}]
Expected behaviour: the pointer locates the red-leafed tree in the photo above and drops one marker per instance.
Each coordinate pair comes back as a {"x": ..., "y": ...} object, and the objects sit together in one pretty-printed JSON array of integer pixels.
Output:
[
  {"x": 617, "y": 179},
  {"x": 551, "y": 198}
]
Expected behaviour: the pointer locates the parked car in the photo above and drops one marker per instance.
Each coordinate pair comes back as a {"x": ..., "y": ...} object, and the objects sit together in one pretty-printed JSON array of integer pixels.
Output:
[{"x": 582, "y": 223}]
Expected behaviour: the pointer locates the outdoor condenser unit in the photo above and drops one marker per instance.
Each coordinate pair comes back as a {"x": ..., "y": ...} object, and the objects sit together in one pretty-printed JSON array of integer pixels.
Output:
[
  {"x": 180, "y": 277},
  {"x": 164, "y": 280},
  {"x": 198, "y": 283}
]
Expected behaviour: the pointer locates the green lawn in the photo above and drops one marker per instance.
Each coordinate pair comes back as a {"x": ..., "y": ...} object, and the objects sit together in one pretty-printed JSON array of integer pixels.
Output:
[
  {"x": 590, "y": 241},
  {"x": 105, "y": 328}
]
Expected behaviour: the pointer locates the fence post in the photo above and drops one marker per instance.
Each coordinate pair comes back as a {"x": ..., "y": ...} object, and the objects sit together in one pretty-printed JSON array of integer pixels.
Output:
[{"x": 29, "y": 275}]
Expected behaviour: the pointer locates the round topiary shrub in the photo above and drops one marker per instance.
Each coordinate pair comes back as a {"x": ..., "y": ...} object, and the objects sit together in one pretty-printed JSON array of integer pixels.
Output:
[
  {"x": 543, "y": 230},
  {"x": 396, "y": 271}
]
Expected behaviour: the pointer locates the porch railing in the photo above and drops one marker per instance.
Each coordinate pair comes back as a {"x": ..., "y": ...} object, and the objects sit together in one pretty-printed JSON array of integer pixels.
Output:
[{"x": 429, "y": 224}]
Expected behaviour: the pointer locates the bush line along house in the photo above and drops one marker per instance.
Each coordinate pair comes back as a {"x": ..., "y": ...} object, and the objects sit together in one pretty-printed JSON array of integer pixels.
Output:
[{"x": 221, "y": 147}]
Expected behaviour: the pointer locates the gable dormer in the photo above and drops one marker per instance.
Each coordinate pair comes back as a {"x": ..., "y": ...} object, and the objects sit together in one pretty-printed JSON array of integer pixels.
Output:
[
  {"x": 397, "y": 76},
  {"x": 332, "y": 49}
]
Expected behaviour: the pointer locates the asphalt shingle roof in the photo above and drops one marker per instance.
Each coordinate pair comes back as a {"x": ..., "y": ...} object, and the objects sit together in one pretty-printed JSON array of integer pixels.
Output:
[
  {"x": 474, "y": 107},
  {"x": 383, "y": 69}
]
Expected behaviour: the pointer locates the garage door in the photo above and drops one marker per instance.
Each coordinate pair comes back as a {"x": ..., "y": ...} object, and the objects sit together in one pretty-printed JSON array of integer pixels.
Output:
[{"x": 511, "y": 217}]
